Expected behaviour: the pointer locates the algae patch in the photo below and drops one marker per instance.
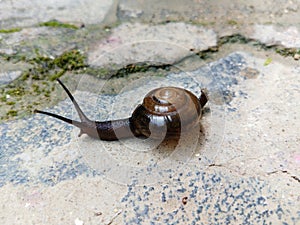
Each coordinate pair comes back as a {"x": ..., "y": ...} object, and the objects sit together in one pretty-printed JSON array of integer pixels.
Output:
[
  {"x": 8, "y": 31},
  {"x": 56, "y": 23},
  {"x": 53, "y": 68},
  {"x": 287, "y": 51},
  {"x": 35, "y": 85}
]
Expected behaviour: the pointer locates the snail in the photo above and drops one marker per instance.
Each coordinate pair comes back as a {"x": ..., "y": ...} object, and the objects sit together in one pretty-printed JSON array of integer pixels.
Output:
[{"x": 164, "y": 113}]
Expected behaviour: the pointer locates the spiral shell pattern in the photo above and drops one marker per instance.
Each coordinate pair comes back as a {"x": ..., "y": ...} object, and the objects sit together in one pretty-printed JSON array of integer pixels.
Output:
[{"x": 167, "y": 112}]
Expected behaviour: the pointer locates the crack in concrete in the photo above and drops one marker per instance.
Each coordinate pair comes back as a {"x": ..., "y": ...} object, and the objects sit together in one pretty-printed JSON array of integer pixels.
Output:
[
  {"x": 285, "y": 172},
  {"x": 294, "y": 177}
]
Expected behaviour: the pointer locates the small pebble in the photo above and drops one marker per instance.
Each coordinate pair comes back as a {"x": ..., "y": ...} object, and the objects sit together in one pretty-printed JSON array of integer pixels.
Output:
[
  {"x": 184, "y": 200},
  {"x": 78, "y": 222},
  {"x": 297, "y": 56}
]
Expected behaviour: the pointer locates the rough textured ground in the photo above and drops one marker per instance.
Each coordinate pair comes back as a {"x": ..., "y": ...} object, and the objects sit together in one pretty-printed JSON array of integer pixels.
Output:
[{"x": 244, "y": 168}]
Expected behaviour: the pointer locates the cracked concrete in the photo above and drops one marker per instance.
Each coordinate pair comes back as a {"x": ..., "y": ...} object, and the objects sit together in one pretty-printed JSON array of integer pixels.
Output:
[
  {"x": 132, "y": 43},
  {"x": 244, "y": 168}
]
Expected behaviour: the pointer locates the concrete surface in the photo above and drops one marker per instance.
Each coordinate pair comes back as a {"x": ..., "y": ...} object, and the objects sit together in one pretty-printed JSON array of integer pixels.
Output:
[{"x": 244, "y": 168}]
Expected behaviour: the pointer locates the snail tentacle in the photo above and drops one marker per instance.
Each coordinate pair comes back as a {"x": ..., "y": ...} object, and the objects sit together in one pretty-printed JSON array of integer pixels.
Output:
[
  {"x": 203, "y": 98},
  {"x": 105, "y": 130},
  {"x": 82, "y": 116},
  {"x": 67, "y": 120}
]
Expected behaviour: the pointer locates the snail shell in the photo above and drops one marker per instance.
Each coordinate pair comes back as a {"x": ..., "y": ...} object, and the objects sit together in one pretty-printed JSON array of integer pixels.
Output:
[{"x": 166, "y": 111}]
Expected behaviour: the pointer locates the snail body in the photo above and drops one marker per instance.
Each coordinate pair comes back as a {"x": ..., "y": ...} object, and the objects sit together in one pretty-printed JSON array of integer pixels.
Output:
[{"x": 164, "y": 114}]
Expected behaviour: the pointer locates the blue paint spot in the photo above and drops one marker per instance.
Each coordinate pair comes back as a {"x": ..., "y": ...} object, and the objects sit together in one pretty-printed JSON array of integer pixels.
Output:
[
  {"x": 261, "y": 201},
  {"x": 163, "y": 197},
  {"x": 181, "y": 190},
  {"x": 199, "y": 210}
]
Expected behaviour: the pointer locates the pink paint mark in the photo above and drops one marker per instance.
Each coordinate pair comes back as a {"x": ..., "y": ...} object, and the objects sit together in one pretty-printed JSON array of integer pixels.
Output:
[
  {"x": 297, "y": 158},
  {"x": 113, "y": 40},
  {"x": 110, "y": 43},
  {"x": 34, "y": 199}
]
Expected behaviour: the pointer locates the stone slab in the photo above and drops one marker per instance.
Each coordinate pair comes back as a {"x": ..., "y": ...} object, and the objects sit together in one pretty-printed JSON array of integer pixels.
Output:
[
  {"x": 245, "y": 171},
  {"x": 23, "y": 13},
  {"x": 288, "y": 37},
  {"x": 166, "y": 43}
]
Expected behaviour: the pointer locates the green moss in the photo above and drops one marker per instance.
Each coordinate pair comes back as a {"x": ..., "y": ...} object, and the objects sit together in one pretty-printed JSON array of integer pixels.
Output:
[
  {"x": 14, "y": 92},
  {"x": 25, "y": 75},
  {"x": 55, "y": 23},
  {"x": 235, "y": 38},
  {"x": 10, "y": 103},
  {"x": 287, "y": 51},
  {"x": 232, "y": 22},
  {"x": 14, "y": 58},
  {"x": 206, "y": 54},
  {"x": 98, "y": 72},
  {"x": 56, "y": 75},
  {"x": 139, "y": 67},
  {"x": 71, "y": 60},
  {"x": 36, "y": 83},
  {"x": 3, "y": 98},
  {"x": 46, "y": 93},
  {"x": 116, "y": 72},
  {"x": 12, "y": 30},
  {"x": 12, "y": 113},
  {"x": 36, "y": 88},
  {"x": 204, "y": 23},
  {"x": 53, "y": 68}
]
